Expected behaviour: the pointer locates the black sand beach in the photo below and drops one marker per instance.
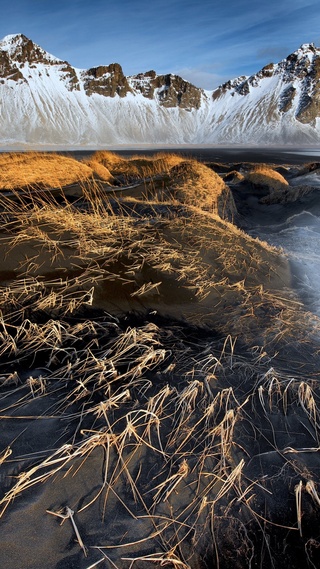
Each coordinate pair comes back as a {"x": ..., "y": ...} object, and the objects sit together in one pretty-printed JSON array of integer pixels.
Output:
[
  {"x": 269, "y": 154},
  {"x": 159, "y": 365}
]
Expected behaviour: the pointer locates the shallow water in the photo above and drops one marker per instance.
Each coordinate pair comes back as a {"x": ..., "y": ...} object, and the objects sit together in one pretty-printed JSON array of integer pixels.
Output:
[{"x": 299, "y": 237}]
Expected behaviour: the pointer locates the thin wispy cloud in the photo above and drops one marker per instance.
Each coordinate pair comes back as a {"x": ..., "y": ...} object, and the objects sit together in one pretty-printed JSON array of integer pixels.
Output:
[{"x": 208, "y": 41}]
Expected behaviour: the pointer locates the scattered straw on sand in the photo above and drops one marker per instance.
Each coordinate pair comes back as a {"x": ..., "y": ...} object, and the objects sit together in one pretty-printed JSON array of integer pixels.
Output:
[{"x": 159, "y": 381}]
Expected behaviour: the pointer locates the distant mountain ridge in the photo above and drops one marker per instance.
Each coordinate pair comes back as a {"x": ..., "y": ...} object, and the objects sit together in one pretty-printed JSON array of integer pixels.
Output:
[{"x": 46, "y": 101}]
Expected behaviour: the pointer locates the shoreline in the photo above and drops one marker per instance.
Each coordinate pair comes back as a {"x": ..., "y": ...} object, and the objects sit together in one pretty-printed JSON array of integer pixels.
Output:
[{"x": 205, "y": 153}]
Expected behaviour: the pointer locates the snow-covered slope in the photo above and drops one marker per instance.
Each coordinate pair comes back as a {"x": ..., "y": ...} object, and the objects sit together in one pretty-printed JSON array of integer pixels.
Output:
[
  {"x": 45, "y": 101},
  {"x": 281, "y": 103}
]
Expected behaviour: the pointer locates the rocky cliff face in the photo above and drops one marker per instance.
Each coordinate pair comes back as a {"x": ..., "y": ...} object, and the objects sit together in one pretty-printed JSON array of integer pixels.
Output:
[
  {"x": 299, "y": 79},
  {"x": 22, "y": 50},
  {"x": 8, "y": 70},
  {"x": 170, "y": 90},
  {"x": 106, "y": 80},
  {"x": 45, "y": 100}
]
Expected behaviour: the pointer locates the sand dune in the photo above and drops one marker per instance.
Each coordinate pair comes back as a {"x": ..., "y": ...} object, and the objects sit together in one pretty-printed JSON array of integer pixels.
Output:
[{"x": 159, "y": 372}]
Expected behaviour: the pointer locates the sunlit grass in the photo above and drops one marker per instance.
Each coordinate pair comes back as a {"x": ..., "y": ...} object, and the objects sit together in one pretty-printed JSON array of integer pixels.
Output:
[
  {"x": 43, "y": 169},
  {"x": 263, "y": 175},
  {"x": 154, "y": 329}
]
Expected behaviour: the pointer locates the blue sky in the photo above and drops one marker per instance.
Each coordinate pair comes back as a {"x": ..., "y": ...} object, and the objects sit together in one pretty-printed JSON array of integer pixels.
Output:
[{"x": 204, "y": 41}]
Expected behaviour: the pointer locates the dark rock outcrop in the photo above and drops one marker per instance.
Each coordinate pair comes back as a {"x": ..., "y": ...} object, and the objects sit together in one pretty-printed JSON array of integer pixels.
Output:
[
  {"x": 171, "y": 90},
  {"x": 310, "y": 104},
  {"x": 176, "y": 92},
  {"x": 8, "y": 70},
  {"x": 286, "y": 98},
  {"x": 24, "y": 50},
  {"x": 71, "y": 77},
  {"x": 107, "y": 80},
  {"x": 145, "y": 83}
]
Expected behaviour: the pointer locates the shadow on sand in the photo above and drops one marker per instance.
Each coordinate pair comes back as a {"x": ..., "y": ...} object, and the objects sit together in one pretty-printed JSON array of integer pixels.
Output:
[{"x": 159, "y": 390}]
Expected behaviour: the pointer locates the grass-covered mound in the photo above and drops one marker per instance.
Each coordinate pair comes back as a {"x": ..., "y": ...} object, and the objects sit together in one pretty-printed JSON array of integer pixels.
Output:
[
  {"x": 168, "y": 177},
  {"x": 136, "y": 167},
  {"x": 19, "y": 170},
  {"x": 265, "y": 176},
  {"x": 159, "y": 383},
  {"x": 195, "y": 184},
  {"x": 275, "y": 185}
]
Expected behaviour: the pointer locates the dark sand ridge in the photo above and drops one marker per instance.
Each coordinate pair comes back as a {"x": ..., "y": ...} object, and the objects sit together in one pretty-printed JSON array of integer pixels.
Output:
[
  {"x": 159, "y": 386},
  {"x": 219, "y": 153}
]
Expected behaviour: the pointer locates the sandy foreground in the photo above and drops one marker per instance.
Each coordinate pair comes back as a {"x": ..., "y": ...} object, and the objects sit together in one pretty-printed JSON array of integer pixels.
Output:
[{"x": 159, "y": 367}]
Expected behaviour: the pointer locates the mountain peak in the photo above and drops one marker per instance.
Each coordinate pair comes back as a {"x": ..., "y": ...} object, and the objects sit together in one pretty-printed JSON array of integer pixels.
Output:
[
  {"x": 12, "y": 39},
  {"x": 100, "y": 105},
  {"x": 21, "y": 49},
  {"x": 308, "y": 47}
]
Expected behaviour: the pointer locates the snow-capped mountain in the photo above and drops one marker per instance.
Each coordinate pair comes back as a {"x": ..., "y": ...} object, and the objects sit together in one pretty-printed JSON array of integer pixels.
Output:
[
  {"x": 46, "y": 101},
  {"x": 280, "y": 103}
]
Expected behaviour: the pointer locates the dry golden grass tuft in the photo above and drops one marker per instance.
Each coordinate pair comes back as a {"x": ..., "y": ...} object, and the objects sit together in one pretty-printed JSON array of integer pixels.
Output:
[
  {"x": 19, "y": 170},
  {"x": 158, "y": 164},
  {"x": 263, "y": 175},
  {"x": 136, "y": 167},
  {"x": 108, "y": 159},
  {"x": 118, "y": 167},
  {"x": 193, "y": 183},
  {"x": 100, "y": 171},
  {"x": 163, "y": 421},
  {"x": 233, "y": 177}
]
